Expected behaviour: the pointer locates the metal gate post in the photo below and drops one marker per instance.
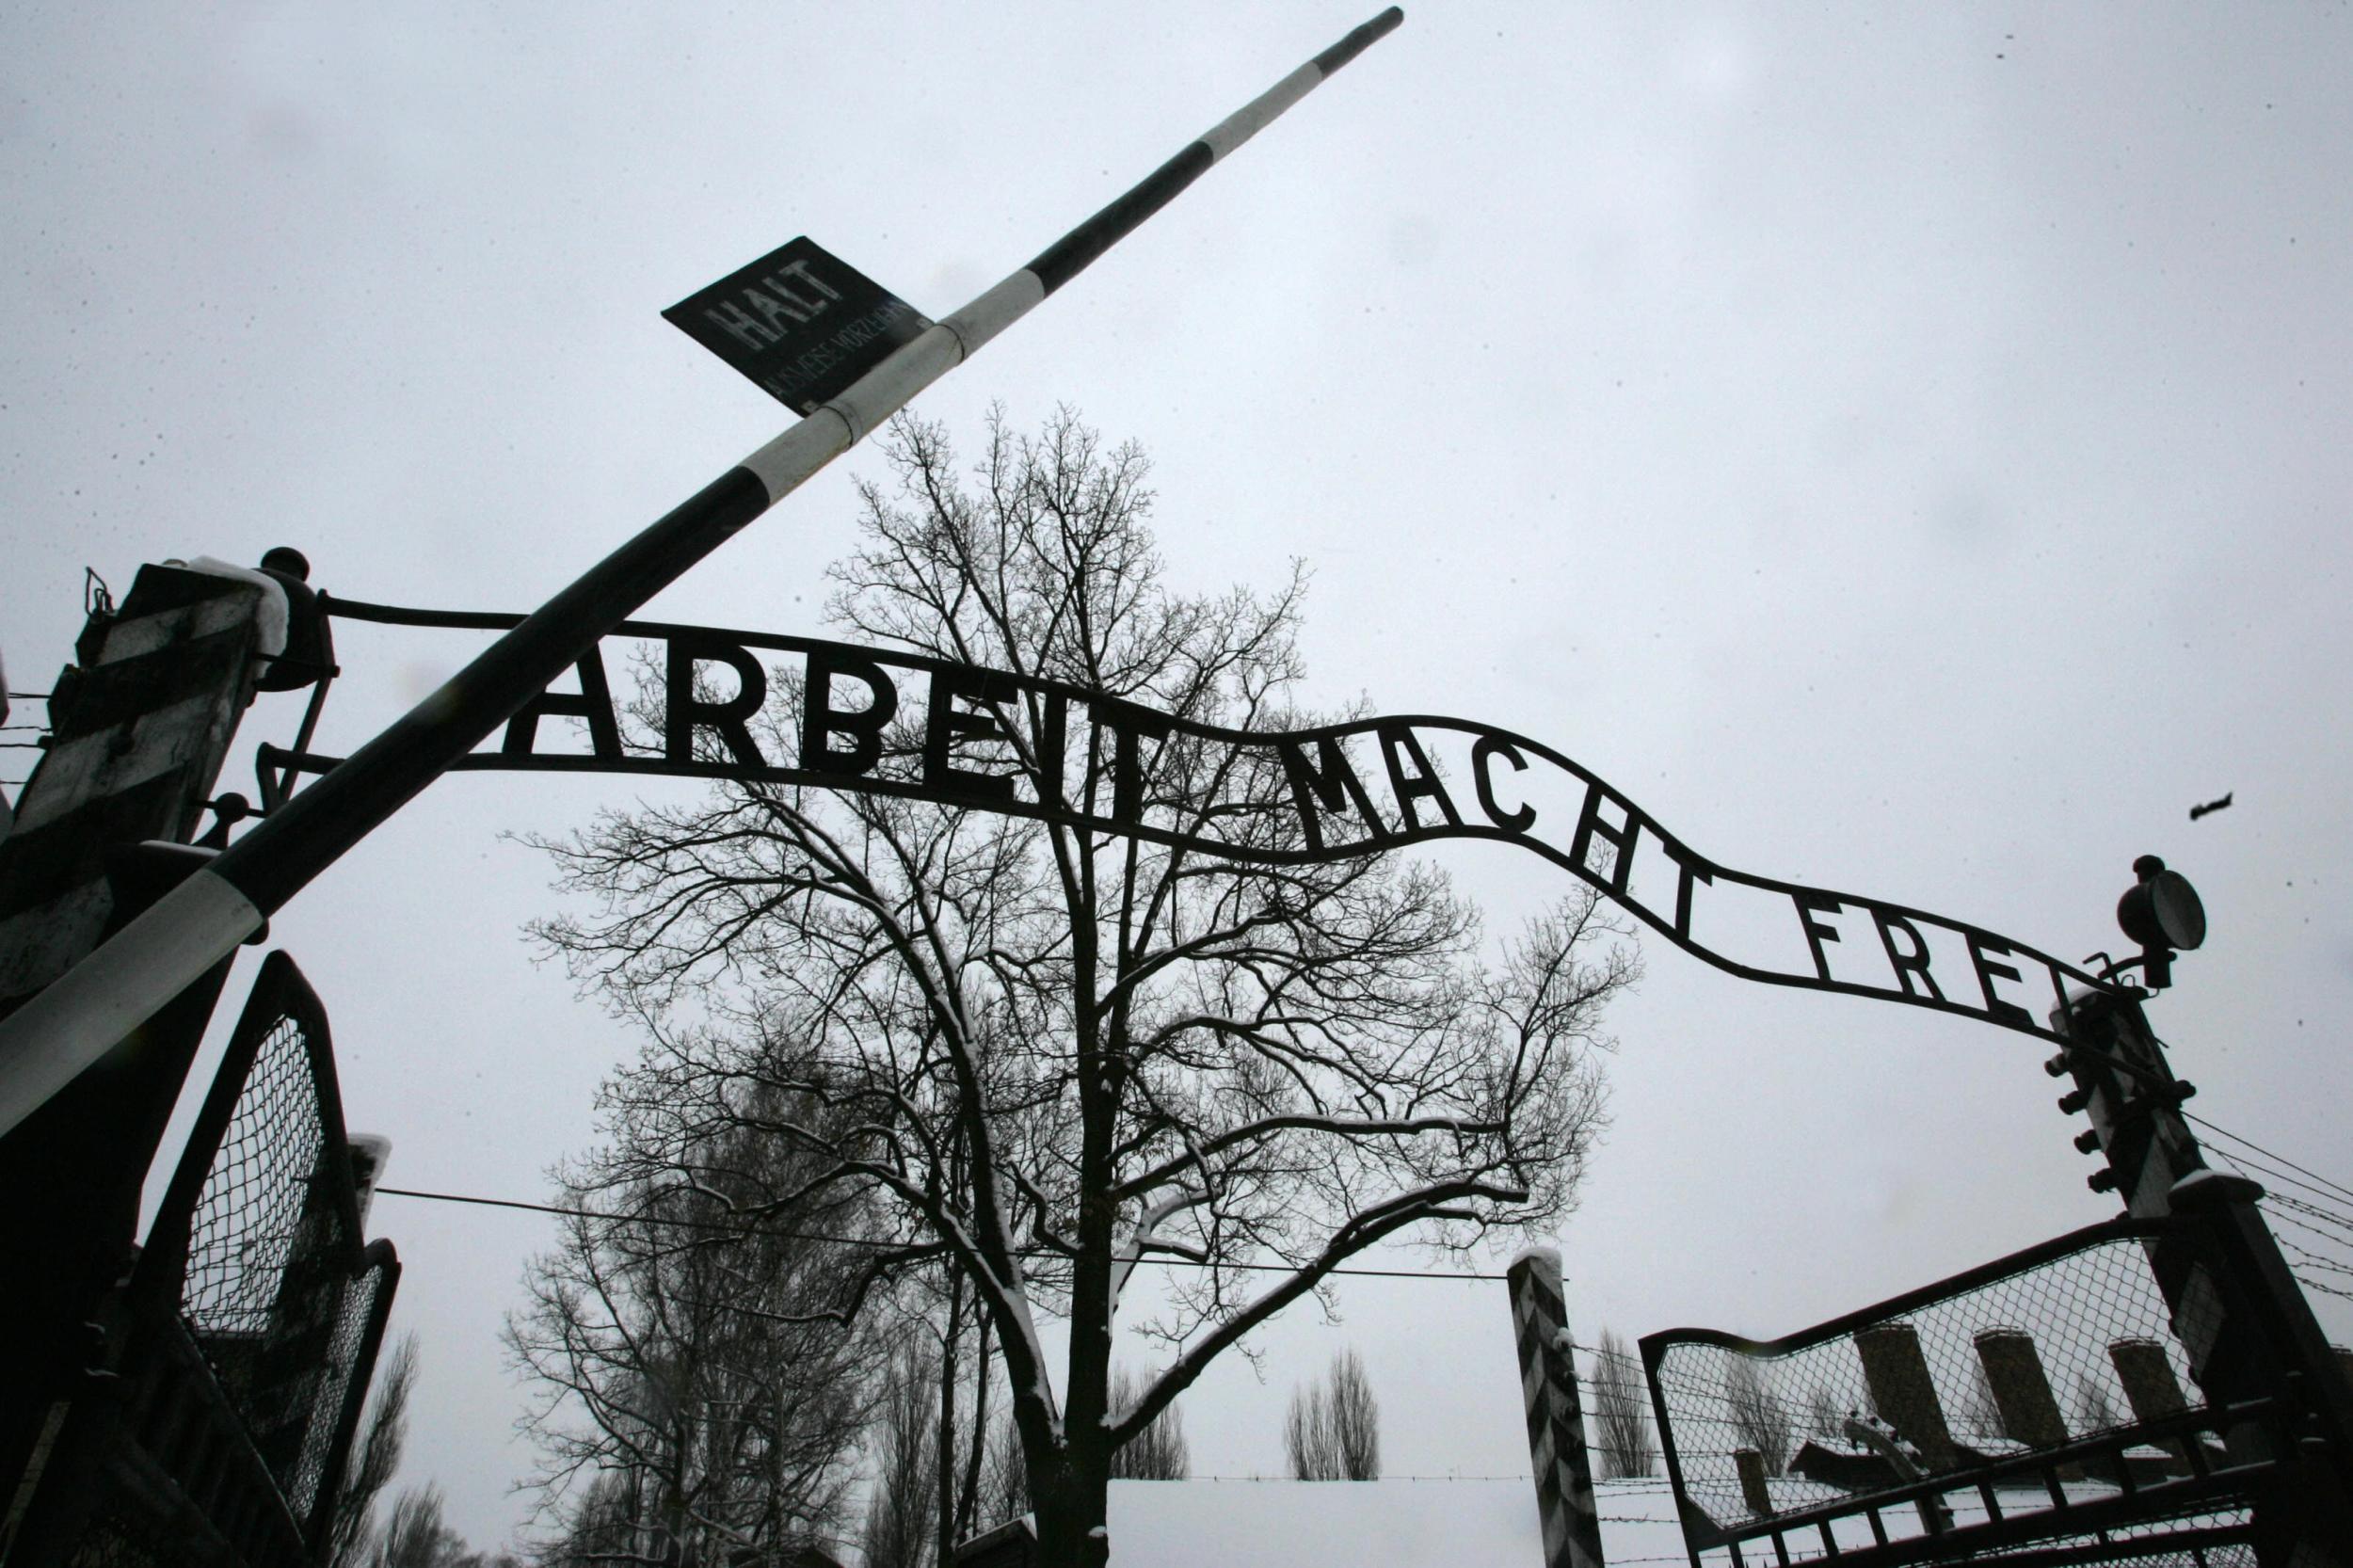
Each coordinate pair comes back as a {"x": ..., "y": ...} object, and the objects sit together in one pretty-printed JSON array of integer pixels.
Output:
[
  {"x": 2235, "y": 1306},
  {"x": 1555, "y": 1418}
]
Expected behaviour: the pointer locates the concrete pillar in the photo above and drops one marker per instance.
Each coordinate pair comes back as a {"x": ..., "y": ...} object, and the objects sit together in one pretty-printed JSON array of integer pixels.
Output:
[
  {"x": 1904, "y": 1393},
  {"x": 1555, "y": 1418},
  {"x": 2150, "y": 1386},
  {"x": 2022, "y": 1390},
  {"x": 1750, "y": 1464}
]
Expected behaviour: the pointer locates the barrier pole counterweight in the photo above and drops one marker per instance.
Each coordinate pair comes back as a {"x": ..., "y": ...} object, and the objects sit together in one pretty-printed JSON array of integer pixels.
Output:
[{"x": 45, "y": 1043}]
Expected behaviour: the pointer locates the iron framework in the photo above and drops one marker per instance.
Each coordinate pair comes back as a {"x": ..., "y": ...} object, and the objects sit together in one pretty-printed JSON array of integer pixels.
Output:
[
  {"x": 2075, "y": 1433},
  {"x": 250, "y": 1322}
]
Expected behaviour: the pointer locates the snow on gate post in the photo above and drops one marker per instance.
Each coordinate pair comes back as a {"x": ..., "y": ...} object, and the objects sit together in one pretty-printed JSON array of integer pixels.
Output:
[{"x": 1556, "y": 1419}]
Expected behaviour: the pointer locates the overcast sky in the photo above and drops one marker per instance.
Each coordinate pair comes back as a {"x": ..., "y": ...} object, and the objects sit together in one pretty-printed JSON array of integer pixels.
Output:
[{"x": 1902, "y": 448}]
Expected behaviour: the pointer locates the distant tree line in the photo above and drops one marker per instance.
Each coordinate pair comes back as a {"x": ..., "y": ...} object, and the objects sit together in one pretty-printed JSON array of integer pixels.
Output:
[
  {"x": 1621, "y": 1414},
  {"x": 1333, "y": 1429}
]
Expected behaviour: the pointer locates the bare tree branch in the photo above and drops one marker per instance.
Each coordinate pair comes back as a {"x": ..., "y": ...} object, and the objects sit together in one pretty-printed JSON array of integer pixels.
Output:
[{"x": 996, "y": 1031}]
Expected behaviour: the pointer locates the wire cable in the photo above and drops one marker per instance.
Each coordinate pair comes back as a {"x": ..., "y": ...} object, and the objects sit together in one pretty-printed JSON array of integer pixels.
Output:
[
  {"x": 719, "y": 1227},
  {"x": 2343, "y": 1191}
]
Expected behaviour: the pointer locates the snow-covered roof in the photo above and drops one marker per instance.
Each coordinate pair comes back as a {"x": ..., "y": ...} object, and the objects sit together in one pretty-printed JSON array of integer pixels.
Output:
[{"x": 1375, "y": 1524}]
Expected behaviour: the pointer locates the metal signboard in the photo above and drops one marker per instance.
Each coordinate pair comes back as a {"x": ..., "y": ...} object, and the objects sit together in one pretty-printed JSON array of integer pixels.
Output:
[
  {"x": 1058, "y": 752},
  {"x": 800, "y": 322}
]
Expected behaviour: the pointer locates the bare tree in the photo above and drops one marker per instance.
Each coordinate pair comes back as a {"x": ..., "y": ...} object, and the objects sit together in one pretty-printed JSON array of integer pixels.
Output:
[
  {"x": 1355, "y": 1418},
  {"x": 1052, "y": 1051},
  {"x": 1823, "y": 1417},
  {"x": 961, "y": 1435},
  {"x": 414, "y": 1536},
  {"x": 598, "y": 1526},
  {"x": 1332, "y": 1429},
  {"x": 1621, "y": 1412},
  {"x": 1159, "y": 1451},
  {"x": 689, "y": 1404},
  {"x": 1004, "y": 1483},
  {"x": 1759, "y": 1419},
  {"x": 901, "y": 1523},
  {"x": 1309, "y": 1442},
  {"x": 374, "y": 1457}
]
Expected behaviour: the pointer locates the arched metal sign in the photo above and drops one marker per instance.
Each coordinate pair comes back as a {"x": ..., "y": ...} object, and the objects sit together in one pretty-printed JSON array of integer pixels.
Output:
[{"x": 963, "y": 735}]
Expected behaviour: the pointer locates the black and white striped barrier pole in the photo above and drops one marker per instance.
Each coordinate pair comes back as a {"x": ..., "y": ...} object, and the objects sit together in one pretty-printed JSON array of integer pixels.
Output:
[
  {"x": 45, "y": 1043},
  {"x": 1556, "y": 1418}
]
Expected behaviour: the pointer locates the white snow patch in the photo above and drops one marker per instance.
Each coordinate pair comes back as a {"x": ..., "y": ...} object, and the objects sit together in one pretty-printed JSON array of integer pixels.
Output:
[
  {"x": 1375, "y": 1524},
  {"x": 270, "y": 617},
  {"x": 1538, "y": 1255}
]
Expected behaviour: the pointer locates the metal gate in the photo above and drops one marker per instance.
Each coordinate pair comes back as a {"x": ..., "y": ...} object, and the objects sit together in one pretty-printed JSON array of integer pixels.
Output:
[
  {"x": 2034, "y": 1412},
  {"x": 246, "y": 1331}
]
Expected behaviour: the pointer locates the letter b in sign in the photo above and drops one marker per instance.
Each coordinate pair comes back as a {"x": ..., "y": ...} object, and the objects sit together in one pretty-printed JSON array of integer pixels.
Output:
[{"x": 821, "y": 720}]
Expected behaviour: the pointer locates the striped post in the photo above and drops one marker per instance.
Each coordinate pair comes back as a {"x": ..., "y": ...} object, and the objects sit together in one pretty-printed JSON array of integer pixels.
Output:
[
  {"x": 1555, "y": 1418},
  {"x": 53, "y": 1038},
  {"x": 141, "y": 724}
]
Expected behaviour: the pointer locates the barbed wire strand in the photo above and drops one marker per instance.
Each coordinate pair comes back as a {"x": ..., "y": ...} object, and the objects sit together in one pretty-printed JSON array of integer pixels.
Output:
[{"x": 2341, "y": 1190}]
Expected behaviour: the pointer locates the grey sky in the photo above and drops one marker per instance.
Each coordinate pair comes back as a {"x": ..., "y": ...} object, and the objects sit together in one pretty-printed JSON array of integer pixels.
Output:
[{"x": 1901, "y": 448}]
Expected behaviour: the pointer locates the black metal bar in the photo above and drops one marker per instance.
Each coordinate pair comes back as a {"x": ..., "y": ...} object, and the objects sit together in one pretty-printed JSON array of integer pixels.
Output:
[
  {"x": 1069, "y": 255},
  {"x": 1896, "y": 1307},
  {"x": 1377, "y": 839},
  {"x": 1684, "y": 1506},
  {"x": 164, "y": 1260},
  {"x": 377, "y": 1258},
  {"x": 52, "y": 1040},
  {"x": 277, "y": 786},
  {"x": 2132, "y": 1503},
  {"x": 1357, "y": 42},
  {"x": 294, "y": 843}
]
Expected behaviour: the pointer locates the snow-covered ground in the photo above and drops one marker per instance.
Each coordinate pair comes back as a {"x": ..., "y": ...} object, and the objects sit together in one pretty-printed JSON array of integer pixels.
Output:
[
  {"x": 1380, "y": 1523},
  {"x": 1414, "y": 1524}
]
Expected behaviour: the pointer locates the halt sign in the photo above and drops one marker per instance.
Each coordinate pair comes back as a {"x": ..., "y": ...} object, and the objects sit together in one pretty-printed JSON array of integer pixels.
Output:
[{"x": 801, "y": 322}]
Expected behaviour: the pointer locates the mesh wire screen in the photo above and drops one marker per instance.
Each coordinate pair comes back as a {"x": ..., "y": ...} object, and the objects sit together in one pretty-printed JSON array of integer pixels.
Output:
[
  {"x": 358, "y": 1302},
  {"x": 250, "y": 1213},
  {"x": 2074, "y": 1346},
  {"x": 268, "y": 1292},
  {"x": 2160, "y": 1543},
  {"x": 255, "y": 1254}
]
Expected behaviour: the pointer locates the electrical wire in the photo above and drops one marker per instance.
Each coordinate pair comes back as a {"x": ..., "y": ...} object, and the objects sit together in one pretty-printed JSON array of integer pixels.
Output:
[
  {"x": 719, "y": 1227},
  {"x": 2341, "y": 1190}
]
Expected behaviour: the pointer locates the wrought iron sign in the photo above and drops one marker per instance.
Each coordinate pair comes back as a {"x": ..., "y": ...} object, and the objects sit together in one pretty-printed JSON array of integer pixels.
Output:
[{"x": 869, "y": 719}]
